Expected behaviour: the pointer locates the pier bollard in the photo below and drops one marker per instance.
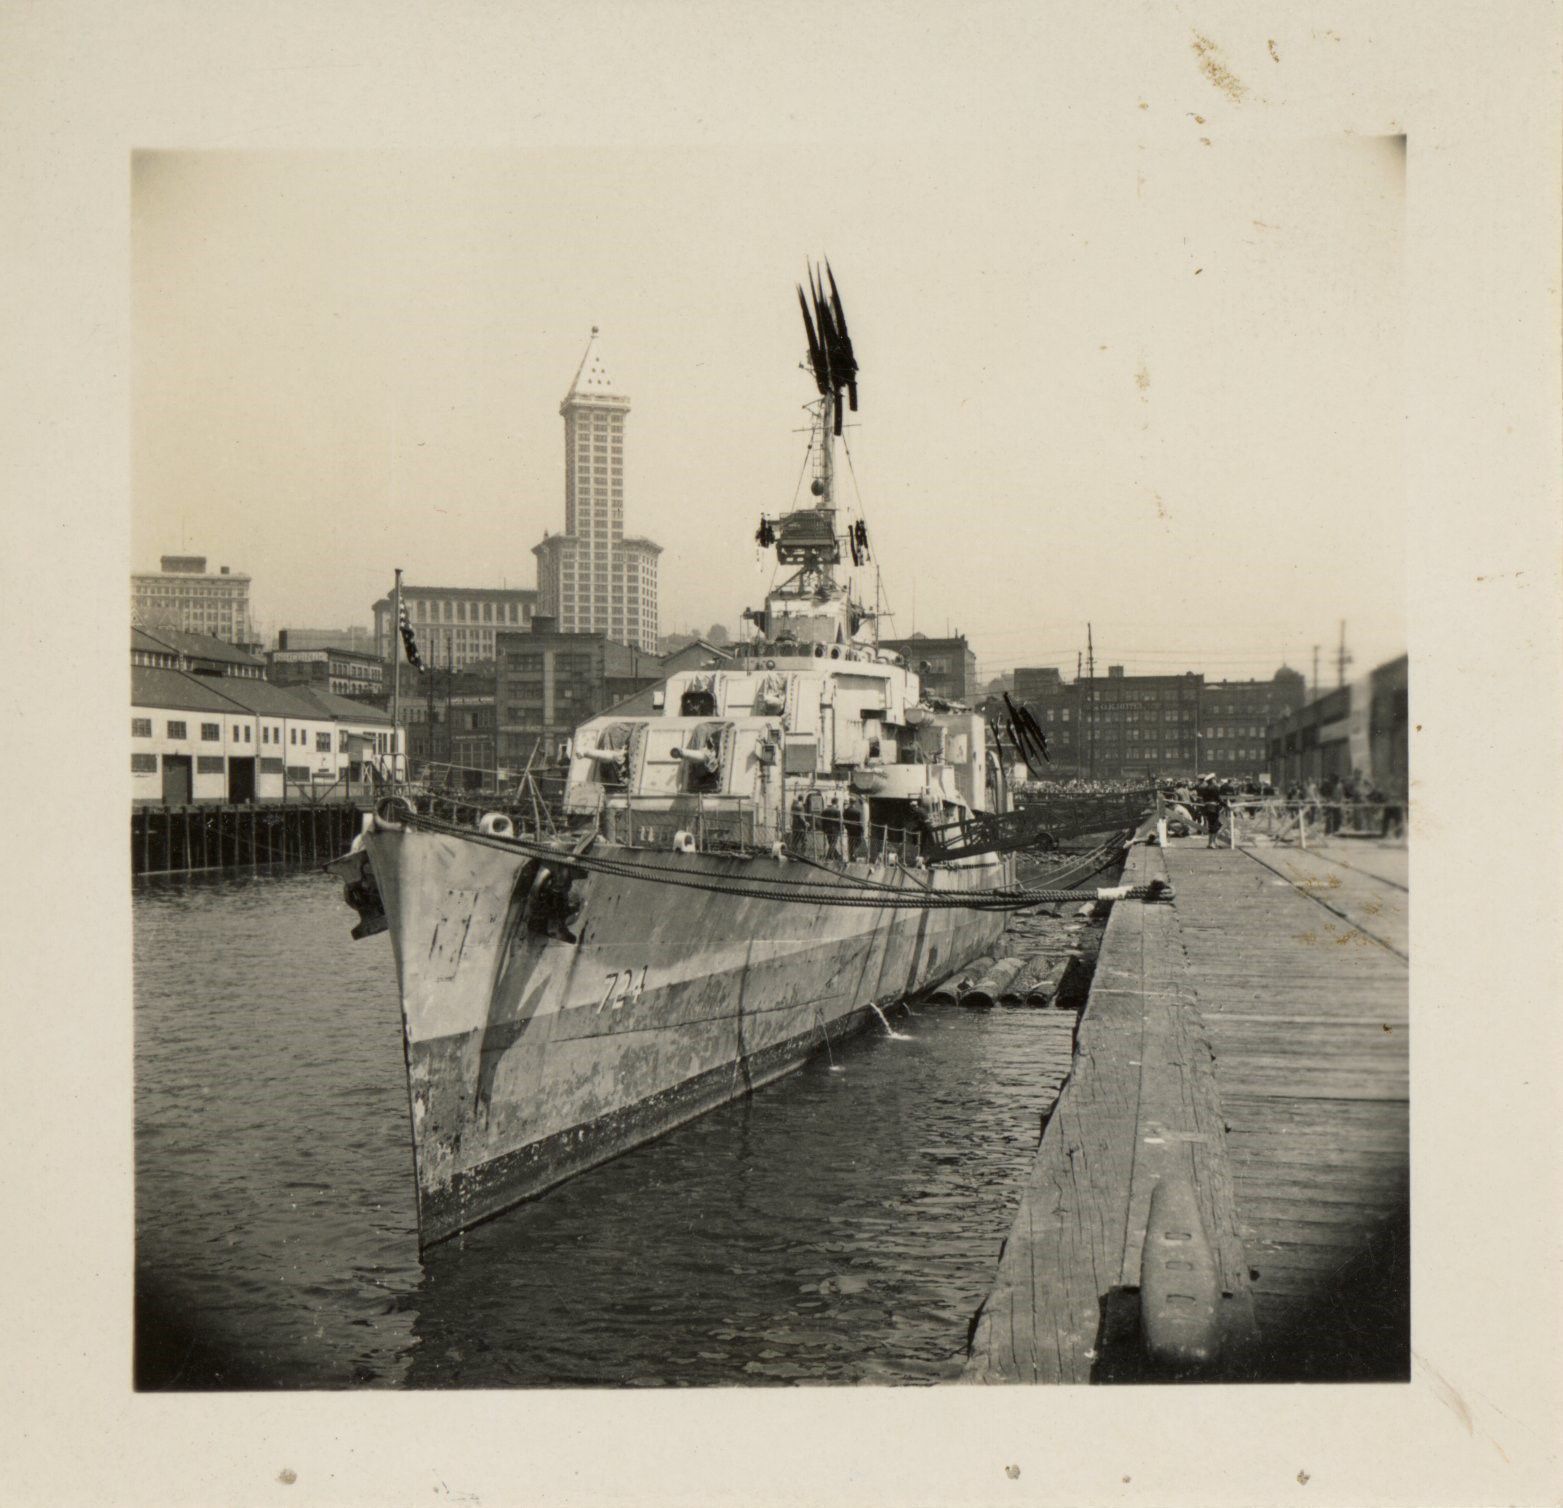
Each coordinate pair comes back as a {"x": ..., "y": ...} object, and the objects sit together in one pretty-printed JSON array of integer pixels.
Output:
[{"x": 1180, "y": 1287}]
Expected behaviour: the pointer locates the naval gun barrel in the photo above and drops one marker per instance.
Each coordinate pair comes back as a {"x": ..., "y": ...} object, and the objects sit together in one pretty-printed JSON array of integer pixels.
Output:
[
  {"x": 607, "y": 756},
  {"x": 703, "y": 759}
]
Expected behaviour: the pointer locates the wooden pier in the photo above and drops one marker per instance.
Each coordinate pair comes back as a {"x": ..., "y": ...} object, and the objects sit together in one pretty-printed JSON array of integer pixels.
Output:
[
  {"x": 174, "y": 840},
  {"x": 1222, "y": 1189}
]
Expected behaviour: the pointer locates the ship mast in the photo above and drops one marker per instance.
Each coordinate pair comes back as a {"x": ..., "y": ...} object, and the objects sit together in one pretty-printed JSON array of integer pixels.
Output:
[
  {"x": 811, "y": 607},
  {"x": 827, "y": 455}
]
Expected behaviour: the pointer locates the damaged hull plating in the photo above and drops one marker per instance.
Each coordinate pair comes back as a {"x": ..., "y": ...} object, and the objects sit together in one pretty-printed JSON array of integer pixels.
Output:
[{"x": 531, "y": 1057}]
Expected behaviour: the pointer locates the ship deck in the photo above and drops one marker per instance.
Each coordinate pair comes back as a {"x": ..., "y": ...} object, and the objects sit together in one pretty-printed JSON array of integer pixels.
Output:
[{"x": 1250, "y": 1042}]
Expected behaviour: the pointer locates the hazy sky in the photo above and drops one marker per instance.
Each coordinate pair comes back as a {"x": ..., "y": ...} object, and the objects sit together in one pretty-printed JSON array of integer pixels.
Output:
[{"x": 1158, "y": 387}]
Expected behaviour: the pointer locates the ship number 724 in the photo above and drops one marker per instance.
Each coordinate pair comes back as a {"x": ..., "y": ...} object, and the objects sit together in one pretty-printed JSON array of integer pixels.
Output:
[{"x": 623, "y": 989}]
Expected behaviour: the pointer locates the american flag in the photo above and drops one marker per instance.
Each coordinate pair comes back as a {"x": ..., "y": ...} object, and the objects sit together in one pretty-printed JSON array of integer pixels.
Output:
[{"x": 409, "y": 640}]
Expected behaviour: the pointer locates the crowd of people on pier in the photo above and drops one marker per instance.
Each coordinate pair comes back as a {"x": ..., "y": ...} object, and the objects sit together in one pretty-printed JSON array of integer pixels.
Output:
[
  {"x": 1353, "y": 804},
  {"x": 1083, "y": 787}
]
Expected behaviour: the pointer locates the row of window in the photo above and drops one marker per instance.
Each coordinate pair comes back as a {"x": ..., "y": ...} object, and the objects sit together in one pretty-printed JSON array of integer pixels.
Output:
[
  {"x": 212, "y": 764},
  {"x": 422, "y": 612},
  {"x": 141, "y": 727},
  {"x": 187, "y": 593}
]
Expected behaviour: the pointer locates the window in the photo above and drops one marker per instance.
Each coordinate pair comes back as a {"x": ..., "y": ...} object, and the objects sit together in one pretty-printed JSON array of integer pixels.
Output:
[
  {"x": 141, "y": 727},
  {"x": 209, "y": 764},
  {"x": 177, "y": 730},
  {"x": 143, "y": 764},
  {"x": 342, "y": 741},
  {"x": 322, "y": 743},
  {"x": 238, "y": 736}
]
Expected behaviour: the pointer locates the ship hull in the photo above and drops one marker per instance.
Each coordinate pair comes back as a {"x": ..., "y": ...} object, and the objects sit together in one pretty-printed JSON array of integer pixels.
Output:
[{"x": 532, "y": 1057}]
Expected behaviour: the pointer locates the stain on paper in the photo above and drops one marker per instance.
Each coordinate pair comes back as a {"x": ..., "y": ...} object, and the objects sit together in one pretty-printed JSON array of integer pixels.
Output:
[{"x": 1214, "y": 67}]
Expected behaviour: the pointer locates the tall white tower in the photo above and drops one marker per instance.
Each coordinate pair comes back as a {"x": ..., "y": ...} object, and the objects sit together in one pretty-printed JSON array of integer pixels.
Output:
[{"x": 592, "y": 578}]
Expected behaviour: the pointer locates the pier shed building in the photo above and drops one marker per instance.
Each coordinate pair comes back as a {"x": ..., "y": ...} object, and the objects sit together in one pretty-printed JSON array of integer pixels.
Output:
[
  {"x": 197, "y": 738},
  {"x": 200, "y": 654}
]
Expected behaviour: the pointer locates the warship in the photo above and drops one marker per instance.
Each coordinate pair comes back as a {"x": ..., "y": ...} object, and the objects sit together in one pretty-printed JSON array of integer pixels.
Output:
[{"x": 787, "y": 842}]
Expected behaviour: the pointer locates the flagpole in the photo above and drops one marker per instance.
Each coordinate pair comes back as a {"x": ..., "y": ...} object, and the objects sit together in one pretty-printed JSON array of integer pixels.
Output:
[{"x": 396, "y": 680}]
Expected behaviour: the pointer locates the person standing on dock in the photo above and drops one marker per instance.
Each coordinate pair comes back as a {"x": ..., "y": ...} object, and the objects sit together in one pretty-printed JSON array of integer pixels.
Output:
[{"x": 1209, "y": 794}]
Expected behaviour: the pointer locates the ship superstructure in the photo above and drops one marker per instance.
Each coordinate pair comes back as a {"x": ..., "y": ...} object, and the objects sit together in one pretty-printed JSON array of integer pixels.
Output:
[{"x": 740, "y": 876}]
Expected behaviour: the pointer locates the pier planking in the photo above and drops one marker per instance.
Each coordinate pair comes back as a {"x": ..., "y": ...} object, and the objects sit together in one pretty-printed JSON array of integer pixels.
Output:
[{"x": 1253, "y": 1036}]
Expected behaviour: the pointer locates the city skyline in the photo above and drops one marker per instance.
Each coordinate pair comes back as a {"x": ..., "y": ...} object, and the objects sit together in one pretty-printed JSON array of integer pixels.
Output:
[{"x": 1175, "y": 413}]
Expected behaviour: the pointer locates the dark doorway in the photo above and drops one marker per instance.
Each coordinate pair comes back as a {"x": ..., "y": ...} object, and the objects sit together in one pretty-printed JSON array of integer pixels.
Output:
[
  {"x": 176, "y": 780},
  {"x": 241, "y": 781}
]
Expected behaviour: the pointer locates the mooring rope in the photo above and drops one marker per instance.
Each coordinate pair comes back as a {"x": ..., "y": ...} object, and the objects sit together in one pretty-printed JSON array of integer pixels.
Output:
[{"x": 848, "y": 892}]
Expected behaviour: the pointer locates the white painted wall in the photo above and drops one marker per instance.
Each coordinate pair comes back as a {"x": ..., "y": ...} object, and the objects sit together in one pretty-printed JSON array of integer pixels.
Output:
[{"x": 246, "y": 735}]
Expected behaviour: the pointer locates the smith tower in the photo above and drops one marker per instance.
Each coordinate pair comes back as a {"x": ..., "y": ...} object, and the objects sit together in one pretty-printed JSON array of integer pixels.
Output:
[{"x": 592, "y": 578}]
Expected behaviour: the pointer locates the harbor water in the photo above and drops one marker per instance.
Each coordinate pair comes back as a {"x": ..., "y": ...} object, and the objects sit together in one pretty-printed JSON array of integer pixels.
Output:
[{"x": 840, "y": 1226}]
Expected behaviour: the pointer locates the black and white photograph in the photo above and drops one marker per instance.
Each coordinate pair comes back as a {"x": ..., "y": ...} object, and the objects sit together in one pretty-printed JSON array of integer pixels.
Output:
[
  {"x": 809, "y": 753},
  {"x": 785, "y": 679}
]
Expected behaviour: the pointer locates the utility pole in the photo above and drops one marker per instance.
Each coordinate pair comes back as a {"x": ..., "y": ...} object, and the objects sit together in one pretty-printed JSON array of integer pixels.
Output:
[
  {"x": 1342, "y": 657},
  {"x": 1090, "y": 661},
  {"x": 1079, "y": 705},
  {"x": 450, "y": 680},
  {"x": 1315, "y": 695},
  {"x": 396, "y": 680},
  {"x": 434, "y": 674}
]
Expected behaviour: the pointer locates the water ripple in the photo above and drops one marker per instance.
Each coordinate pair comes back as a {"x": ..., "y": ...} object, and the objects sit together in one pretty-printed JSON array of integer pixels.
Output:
[{"x": 835, "y": 1228}]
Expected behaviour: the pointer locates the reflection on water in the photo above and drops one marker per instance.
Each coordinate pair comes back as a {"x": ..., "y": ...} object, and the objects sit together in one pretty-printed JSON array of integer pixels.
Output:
[{"x": 834, "y": 1228}]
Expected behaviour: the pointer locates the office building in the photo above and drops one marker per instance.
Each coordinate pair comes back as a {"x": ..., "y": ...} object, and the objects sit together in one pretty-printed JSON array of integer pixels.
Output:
[
  {"x": 357, "y": 638},
  {"x": 455, "y": 625},
  {"x": 1236, "y": 718},
  {"x": 593, "y": 578},
  {"x": 1117, "y": 726},
  {"x": 947, "y": 667},
  {"x": 343, "y": 671},
  {"x": 550, "y": 681},
  {"x": 184, "y": 596}
]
